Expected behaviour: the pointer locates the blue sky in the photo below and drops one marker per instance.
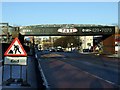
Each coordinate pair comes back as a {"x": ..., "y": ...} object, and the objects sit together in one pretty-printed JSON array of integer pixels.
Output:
[{"x": 28, "y": 13}]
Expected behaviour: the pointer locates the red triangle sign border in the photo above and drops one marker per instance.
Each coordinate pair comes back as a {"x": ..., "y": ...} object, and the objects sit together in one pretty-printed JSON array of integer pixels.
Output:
[{"x": 16, "y": 39}]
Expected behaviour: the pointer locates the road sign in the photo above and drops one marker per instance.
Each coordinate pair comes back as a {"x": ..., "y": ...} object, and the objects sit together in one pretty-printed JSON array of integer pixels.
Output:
[
  {"x": 15, "y": 49},
  {"x": 15, "y": 55},
  {"x": 15, "y": 60}
]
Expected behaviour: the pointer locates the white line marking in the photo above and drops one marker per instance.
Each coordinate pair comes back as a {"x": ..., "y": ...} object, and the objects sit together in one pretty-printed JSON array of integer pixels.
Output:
[
  {"x": 97, "y": 76},
  {"x": 100, "y": 78},
  {"x": 44, "y": 78},
  {"x": 43, "y": 75},
  {"x": 47, "y": 85}
]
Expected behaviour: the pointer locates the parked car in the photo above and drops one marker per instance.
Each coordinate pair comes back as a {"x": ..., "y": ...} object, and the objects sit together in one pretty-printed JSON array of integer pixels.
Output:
[
  {"x": 85, "y": 50},
  {"x": 117, "y": 48},
  {"x": 46, "y": 51},
  {"x": 60, "y": 50},
  {"x": 52, "y": 50}
]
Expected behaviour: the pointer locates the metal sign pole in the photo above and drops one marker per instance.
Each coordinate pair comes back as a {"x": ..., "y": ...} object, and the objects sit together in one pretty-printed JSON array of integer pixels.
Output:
[
  {"x": 10, "y": 71},
  {"x": 21, "y": 72},
  {"x": 25, "y": 83},
  {"x": 26, "y": 73},
  {"x": 10, "y": 80},
  {"x": 20, "y": 80},
  {"x": 26, "y": 70},
  {"x": 2, "y": 73},
  {"x": 15, "y": 59}
]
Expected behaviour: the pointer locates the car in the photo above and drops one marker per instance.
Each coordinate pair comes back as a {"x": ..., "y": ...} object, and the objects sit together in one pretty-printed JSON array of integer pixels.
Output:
[
  {"x": 46, "y": 51},
  {"x": 85, "y": 50},
  {"x": 60, "y": 50},
  {"x": 117, "y": 48},
  {"x": 52, "y": 50}
]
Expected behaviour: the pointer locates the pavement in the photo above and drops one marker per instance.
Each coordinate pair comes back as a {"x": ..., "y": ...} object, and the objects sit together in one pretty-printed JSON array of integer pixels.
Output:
[
  {"x": 114, "y": 55},
  {"x": 0, "y": 78},
  {"x": 117, "y": 55},
  {"x": 114, "y": 58}
]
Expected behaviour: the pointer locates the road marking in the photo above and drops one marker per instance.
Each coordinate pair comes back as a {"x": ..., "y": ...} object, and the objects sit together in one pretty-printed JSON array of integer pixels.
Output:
[
  {"x": 97, "y": 76},
  {"x": 43, "y": 75},
  {"x": 107, "y": 67},
  {"x": 47, "y": 85},
  {"x": 44, "y": 78},
  {"x": 101, "y": 78}
]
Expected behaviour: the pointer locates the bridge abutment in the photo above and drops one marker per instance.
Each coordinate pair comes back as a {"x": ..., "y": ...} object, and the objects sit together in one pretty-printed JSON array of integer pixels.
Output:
[{"x": 109, "y": 44}]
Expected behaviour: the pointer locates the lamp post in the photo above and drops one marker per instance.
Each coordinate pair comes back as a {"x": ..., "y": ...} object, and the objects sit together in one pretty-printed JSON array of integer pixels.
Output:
[{"x": 33, "y": 46}]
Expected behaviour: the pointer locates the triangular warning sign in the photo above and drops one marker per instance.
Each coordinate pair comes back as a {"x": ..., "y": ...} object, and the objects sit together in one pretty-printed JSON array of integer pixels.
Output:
[{"x": 15, "y": 49}]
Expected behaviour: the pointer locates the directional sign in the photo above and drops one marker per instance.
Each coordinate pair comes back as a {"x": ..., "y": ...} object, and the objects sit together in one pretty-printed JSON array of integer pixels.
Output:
[
  {"x": 15, "y": 49},
  {"x": 15, "y": 60}
]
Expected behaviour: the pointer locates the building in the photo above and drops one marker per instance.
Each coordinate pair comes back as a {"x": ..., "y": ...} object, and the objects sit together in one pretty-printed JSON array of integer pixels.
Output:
[
  {"x": 87, "y": 42},
  {"x": 8, "y": 33}
]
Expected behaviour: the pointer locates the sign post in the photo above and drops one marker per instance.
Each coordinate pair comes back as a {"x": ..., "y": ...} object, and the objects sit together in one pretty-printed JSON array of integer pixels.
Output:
[
  {"x": 16, "y": 55},
  {"x": 20, "y": 80}
]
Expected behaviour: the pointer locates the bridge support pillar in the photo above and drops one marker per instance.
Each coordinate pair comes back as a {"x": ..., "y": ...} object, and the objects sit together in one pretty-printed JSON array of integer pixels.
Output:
[{"x": 109, "y": 44}]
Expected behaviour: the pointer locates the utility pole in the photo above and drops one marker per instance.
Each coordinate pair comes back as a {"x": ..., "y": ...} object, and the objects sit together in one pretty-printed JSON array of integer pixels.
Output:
[{"x": 33, "y": 46}]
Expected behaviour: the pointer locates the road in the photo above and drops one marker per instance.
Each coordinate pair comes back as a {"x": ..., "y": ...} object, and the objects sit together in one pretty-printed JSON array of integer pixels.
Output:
[{"x": 75, "y": 70}]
